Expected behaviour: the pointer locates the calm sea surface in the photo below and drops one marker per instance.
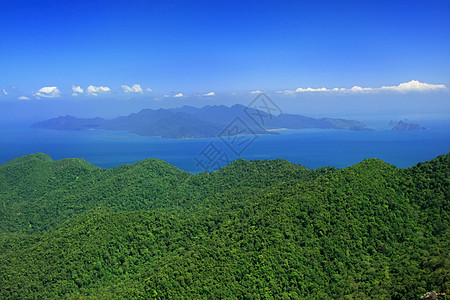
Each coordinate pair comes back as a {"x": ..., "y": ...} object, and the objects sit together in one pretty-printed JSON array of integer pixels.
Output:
[{"x": 311, "y": 148}]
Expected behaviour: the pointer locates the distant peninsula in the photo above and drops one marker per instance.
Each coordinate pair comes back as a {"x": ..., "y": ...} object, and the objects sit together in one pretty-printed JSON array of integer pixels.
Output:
[
  {"x": 403, "y": 126},
  {"x": 205, "y": 122}
]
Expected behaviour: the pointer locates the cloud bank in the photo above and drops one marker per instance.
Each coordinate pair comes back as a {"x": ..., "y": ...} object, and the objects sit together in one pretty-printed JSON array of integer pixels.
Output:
[
  {"x": 48, "y": 92},
  {"x": 411, "y": 86}
]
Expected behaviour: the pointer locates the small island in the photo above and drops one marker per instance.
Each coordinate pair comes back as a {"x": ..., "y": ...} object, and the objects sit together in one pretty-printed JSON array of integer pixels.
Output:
[{"x": 403, "y": 126}]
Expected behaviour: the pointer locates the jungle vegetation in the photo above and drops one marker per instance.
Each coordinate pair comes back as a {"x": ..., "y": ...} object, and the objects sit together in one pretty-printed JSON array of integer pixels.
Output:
[{"x": 252, "y": 230}]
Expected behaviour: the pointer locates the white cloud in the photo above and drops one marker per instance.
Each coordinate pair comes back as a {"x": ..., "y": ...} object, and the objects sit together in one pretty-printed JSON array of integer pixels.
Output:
[
  {"x": 301, "y": 90},
  {"x": 148, "y": 90},
  {"x": 287, "y": 92},
  {"x": 178, "y": 95},
  {"x": 5, "y": 92},
  {"x": 256, "y": 92},
  {"x": 48, "y": 92},
  {"x": 23, "y": 98},
  {"x": 95, "y": 90},
  {"x": 356, "y": 89},
  {"x": 412, "y": 86},
  {"x": 136, "y": 88},
  {"x": 338, "y": 90},
  {"x": 77, "y": 89},
  {"x": 210, "y": 94}
]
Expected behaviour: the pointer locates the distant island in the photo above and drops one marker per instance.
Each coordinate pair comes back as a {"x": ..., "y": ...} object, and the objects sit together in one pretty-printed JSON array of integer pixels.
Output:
[
  {"x": 192, "y": 122},
  {"x": 403, "y": 126}
]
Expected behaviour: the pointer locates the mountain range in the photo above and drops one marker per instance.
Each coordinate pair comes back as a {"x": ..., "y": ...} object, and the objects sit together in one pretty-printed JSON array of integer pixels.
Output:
[{"x": 208, "y": 121}]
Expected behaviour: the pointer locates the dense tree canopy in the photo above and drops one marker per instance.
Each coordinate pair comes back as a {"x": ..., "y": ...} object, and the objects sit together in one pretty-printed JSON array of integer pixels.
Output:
[{"x": 260, "y": 229}]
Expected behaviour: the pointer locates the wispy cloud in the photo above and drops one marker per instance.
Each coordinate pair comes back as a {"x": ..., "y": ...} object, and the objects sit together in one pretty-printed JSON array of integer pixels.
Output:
[
  {"x": 95, "y": 90},
  {"x": 179, "y": 95},
  {"x": 411, "y": 86},
  {"x": 148, "y": 90},
  {"x": 48, "y": 92},
  {"x": 209, "y": 94},
  {"x": 5, "y": 92},
  {"x": 23, "y": 98},
  {"x": 256, "y": 92},
  {"x": 136, "y": 88}
]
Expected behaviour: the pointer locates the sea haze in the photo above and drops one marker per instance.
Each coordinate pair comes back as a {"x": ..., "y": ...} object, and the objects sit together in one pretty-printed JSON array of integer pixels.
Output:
[{"x": 312, "y": 148}]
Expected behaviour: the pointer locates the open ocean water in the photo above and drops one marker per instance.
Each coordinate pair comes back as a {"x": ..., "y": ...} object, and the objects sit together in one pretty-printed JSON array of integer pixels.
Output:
[{"x": 310, "y": 148}]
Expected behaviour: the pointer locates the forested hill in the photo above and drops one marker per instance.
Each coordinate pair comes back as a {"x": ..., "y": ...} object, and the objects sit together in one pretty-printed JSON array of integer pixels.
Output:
[{"x": 259, "y": 229}]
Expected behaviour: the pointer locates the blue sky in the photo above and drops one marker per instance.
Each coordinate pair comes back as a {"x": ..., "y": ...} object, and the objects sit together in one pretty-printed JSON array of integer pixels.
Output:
[{"x": 193, "y": 48}]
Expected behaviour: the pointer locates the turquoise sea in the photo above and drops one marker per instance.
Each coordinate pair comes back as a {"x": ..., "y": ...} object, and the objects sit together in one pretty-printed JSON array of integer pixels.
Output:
[{"x": 311, "y": 148}]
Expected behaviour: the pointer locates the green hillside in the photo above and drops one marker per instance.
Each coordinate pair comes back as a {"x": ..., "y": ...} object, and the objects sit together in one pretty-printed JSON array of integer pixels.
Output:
[{"x": 252, "y": 230}]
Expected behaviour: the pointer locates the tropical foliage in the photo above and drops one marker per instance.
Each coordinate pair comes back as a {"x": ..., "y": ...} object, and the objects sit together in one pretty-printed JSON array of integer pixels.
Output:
[{"x": 252, "y": 230}]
